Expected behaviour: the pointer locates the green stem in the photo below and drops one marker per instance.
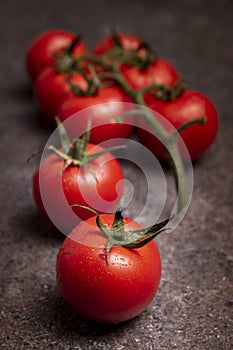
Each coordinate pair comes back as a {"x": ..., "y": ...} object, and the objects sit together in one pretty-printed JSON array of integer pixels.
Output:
[
  {"x": 76, "y": 40},
  {"x": 179, "y": 174},
  {"x": 101, "y": 60},
  {"x": 170, "y": 144}
]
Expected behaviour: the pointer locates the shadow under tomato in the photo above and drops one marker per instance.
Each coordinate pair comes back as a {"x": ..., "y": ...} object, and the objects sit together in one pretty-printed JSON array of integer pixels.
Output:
[{"x": 52, "y": 311}]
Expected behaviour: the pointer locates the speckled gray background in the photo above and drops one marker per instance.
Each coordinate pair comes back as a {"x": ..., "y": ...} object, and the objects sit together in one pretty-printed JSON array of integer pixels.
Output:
[{"x": 193, "y": 306}]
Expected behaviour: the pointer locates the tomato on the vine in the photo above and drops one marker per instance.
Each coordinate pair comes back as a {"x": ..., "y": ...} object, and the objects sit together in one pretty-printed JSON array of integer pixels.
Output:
[
  {"x": 43, "y": 47},
  {"x": 160, "y": 72},
  {"x": 138, "y": 63},
  {"x": 189, "y": 106},
  {"x": 110, "y": 102},
  {"x": 79, "y": 173},
  {"x": 49, "y": 88},
  {"x": 104, "y": 270},
  {"x": 122, "y": 40}
]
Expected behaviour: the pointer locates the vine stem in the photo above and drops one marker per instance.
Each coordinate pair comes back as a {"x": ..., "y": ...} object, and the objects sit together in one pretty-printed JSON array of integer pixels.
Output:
[{"x": 168, "y": 139}]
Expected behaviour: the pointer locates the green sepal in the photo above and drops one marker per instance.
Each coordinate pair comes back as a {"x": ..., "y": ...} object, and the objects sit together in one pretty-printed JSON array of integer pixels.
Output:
[
  {"x": 144, "y": 232},
  {"x": 94, "y": 83},
  {"x": 131, "y": 57},
  {"x": 106, "y": 231},
  {"x": 138, "y": 238},
  {"x": 167, "y": 93},
  {"x": 64, "y": 139},
  {"x": 115, "y": 39},
  {"x": 64, "y": 62},
  {"x": 86, "y": 136},
  {"x": 88, "y": 158},
  {"x": 76, "y": 40},
  {"x": 85, "y": 207}
]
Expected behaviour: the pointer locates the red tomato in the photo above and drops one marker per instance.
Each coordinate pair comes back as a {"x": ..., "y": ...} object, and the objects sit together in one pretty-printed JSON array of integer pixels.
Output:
[
  {"x": 104, "y": 114},
  {"x": 107, "y": 293},
  {"x": 127, "y": 41},
  {"x": 42, "y": 48},
  {"x": 159, "y": 72},
  {"x": 54, "y": 194},
  {"x": 49, "y": 88},
  {"x": 189, "y": 106}
]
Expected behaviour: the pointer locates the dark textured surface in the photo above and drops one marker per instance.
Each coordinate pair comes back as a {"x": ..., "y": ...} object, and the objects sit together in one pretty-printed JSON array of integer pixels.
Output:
[{"x": 193, "y": 306}]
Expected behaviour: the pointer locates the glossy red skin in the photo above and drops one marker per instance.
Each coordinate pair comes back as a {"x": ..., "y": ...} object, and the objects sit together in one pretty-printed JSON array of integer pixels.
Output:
[
  {"x": 102, "y": 114},
  {"x": 111, "y": 293},
  {"x": 189, "y": 106},
  {"x": 128, "y": 41},
  {"x": 50, "y": 86},
  {"x": 159, "y": 72},
  {"x": 42, "y": 48},
  {"x": 61, "y": 194}
]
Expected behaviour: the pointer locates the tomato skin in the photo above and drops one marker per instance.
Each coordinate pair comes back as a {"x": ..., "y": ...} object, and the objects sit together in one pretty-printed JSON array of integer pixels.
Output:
[
  {"x": 76, "y": 183},
  {"x": 41, "y": 50},
  {"x": 111, "y": 293},
  {"x": 105, "y": 112},
  {"x": 159, "y": 72},
  {"x": 189, "y": 106},
  {"x": 50, "y": 86}
]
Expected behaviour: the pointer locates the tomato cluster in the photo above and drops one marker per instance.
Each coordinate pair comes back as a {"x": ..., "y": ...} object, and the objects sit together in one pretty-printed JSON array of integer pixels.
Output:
[
  {"x": 68, "y": 78},
  {"x": 108, "y": 268}
]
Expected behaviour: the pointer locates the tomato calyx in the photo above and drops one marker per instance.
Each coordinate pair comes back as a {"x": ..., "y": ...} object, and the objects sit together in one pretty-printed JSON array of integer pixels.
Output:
[
  {"x": 74, "y": 153},
  {"x": 132, "y": 239},
  {"x": 118, "y": 236},
  {"x": 63, "y": 60},
  {"x": 164, "y": 92},
  {"x": 65, "y": 63},
  {"x": 94, "y": 83},
  {"x": 142, "y": 56}
]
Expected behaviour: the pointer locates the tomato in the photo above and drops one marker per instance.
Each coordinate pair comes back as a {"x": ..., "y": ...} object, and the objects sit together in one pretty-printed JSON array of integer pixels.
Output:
[
  {"x": 127, "y": 41},
  {"x": 142, "y": 68},
  {"x": 109, "y": 104},
  {"x": 50, "y": 86},
  {"x": 126, "y": 48},
  {"x": 55, "y": 193},
  {"x": 189, "y": 106},
  {"x": 40, "y": 52},
  {"x": 158, "y": 72},
  {"x": 107, "y": 293}
]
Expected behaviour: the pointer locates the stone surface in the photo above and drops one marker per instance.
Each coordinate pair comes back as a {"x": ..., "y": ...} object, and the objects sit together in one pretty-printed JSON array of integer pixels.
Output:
[{"x": 193, "y": 306}]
